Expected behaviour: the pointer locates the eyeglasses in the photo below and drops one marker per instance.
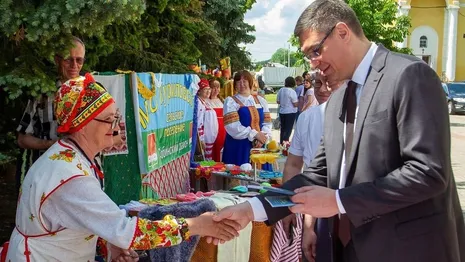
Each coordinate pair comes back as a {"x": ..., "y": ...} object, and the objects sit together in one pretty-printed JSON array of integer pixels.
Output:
[
  {"x": 113, "y": 123},
  {"x": 316, "y": 51},
  {"x": 70, "y": 60}
]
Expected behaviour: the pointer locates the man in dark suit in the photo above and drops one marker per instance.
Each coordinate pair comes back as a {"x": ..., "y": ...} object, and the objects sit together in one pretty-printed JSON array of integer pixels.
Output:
[{"x": 383, "y": 172}]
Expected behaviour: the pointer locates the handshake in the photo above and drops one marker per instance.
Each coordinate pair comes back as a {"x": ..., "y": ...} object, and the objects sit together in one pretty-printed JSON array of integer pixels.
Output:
[
  {"x": 222, "y": 226},
  {"x": 317, "y": 201}
]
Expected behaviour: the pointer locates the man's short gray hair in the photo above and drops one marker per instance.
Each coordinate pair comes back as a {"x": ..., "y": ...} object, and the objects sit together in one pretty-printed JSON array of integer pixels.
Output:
[
  {"x": 322, "y": 15},
  {"x": 77, "y": 39}
]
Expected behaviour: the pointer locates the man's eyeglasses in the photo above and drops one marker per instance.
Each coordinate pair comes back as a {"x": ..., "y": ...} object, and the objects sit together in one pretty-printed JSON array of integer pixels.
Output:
[
  {"x": 316, "y": 51},
  {"x": 70, "y": 60},
  {"x": 113, "y": 123}
]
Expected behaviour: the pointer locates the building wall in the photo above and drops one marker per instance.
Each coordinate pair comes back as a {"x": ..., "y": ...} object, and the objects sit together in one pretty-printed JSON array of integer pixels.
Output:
[
  {"x": 429, "y": 17},
  {"x": 460, "y": 61}
]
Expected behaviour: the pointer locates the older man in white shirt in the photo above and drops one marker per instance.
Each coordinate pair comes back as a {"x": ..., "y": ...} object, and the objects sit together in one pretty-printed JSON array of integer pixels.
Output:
[{"x": 307, "y": 137}]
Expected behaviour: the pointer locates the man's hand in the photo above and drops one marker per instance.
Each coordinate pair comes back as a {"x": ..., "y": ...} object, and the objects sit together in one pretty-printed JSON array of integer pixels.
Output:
[
  {"x": 205, "y": 225},
  {"x": 289, "y": 222},
  {"x": 309, "y": 244},
  {"x": 241, "y": 214},
  {"x": 316, "y": 201}
]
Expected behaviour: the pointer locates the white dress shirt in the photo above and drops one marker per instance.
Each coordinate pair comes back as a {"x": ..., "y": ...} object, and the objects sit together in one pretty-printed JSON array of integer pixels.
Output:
[
  {"x": 359, "y": 77},
  {"x": 307, "y": 133}
]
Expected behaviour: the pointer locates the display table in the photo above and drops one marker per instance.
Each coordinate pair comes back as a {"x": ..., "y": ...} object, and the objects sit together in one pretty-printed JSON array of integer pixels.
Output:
[
  {"x": 260, "y": 239},
  {"x": 260, "y": 246},
  {"x": 223, "y": 180}
]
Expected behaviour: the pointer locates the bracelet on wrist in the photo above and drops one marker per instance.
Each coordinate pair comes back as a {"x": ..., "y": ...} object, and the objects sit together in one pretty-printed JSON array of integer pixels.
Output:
[{"x": 183, "y": 228}]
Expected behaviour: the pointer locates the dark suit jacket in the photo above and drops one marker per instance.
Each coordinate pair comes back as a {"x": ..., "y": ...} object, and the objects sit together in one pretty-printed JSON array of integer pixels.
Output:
[{"x": 401, "y": 196}]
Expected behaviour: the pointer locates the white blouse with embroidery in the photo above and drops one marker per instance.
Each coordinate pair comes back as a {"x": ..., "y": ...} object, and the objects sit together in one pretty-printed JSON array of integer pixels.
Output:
[{"x": 236, "y": 129}]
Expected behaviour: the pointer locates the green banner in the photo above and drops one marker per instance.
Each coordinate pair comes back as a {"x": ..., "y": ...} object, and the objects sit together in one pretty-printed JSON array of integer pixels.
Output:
[
  {"x": 173, "y": 141},
  {"x": 164, "y": 106}
]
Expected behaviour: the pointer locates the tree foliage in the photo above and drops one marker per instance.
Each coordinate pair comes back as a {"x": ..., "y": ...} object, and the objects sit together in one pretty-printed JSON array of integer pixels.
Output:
[
  {"x": 228, "y": 16},
  {"x": 380, "y": 22},
  {"x": 281, "y": 56},
  {"x": 32, "y": 31},
  {"x": 170, "y": 36},
  {"x": 141, "y": 35}
]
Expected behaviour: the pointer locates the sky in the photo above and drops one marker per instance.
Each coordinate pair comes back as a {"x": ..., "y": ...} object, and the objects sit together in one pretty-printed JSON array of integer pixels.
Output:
[{"x": 274, "y": 22}]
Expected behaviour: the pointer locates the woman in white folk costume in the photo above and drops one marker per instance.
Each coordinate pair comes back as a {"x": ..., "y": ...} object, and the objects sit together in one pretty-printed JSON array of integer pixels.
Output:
[
  {"x": 247, "y": 121},
  {"x": 207, "y": 122},
  {"x": 216, "y": 103},
  {"x": 62, "y": 209}
]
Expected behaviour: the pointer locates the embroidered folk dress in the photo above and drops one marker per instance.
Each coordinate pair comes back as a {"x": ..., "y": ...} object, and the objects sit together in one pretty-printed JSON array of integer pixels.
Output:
[
  {"x": 244, "y": 117},
  {"x": 62, "y": 211},
  {"x": 207, "y": 123}
]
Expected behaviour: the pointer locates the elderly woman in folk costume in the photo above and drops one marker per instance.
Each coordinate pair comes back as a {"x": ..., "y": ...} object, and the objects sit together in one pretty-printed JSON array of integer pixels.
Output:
[
  {"x": 247, "y": 121},
  {"x": 207, "y": 122},
  {"x": 62, "y": 209}
]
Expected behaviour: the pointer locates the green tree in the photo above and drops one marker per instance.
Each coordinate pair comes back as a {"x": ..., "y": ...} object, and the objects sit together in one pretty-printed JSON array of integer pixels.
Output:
[
  {"x": 169, "y": 36},
  {"x": 380, "y": 23},
  {"x": 298, "y": 55},
  {"x": 281, "y": 56},
  {"x": 32, "y": 31},
  {"x": 228, "y": 16}
]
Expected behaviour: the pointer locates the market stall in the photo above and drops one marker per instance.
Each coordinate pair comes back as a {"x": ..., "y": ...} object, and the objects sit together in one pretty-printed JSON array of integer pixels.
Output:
[{"x": 154, "y": 166}]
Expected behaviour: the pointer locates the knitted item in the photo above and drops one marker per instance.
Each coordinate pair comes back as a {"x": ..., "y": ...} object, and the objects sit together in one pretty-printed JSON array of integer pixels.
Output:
[
  {"x": 182, "y": 252},
  {"x": 262, "y": 236}
]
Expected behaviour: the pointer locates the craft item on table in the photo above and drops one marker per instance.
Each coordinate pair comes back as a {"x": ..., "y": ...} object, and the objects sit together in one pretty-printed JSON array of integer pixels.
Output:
[
  {"x": 250, "y": 194},
  {"x": 230, "y": 166},
  {"x": 246, "y": 167},
  {"x": 161, "y": 202},
  {"x": 237, "y": 171},
  {"x": 264, "y": 184},
  {"x": 238, "y": 249},
  {"x": 260, "y": 159},
  {"x": 264, "y": 158},
  {"x": 208, "y": 163},
  {"x": 270, "y": 174},
  {"x": 189, "y": 197},
  {"x": 206, "y": 171},
  {"x": 241, "y": 189},
  {"x": 182, "y": 252},
  {"x": 273, "y": 146}
]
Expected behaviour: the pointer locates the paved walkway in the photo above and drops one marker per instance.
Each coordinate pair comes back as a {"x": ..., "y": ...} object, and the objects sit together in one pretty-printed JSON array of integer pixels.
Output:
[{"x": 458, "y": 154}]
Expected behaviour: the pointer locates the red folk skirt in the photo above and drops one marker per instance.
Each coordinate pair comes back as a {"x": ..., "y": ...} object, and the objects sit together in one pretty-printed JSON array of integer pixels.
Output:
[{"x": 219, "y": 142}]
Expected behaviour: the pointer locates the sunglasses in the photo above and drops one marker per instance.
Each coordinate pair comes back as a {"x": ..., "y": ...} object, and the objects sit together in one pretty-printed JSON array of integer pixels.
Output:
[{"x": 316, "y": 51}]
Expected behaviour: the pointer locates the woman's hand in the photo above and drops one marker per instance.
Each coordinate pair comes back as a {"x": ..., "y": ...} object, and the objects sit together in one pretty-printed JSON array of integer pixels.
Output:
[
  {"x": 204, "y": 225},
  {"x": 123, "y": 255},
  {"x": 261, "y": 137}
]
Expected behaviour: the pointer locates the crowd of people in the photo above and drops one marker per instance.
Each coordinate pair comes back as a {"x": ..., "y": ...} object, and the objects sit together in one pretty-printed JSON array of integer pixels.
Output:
[{"x": 372, "y": 139}]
